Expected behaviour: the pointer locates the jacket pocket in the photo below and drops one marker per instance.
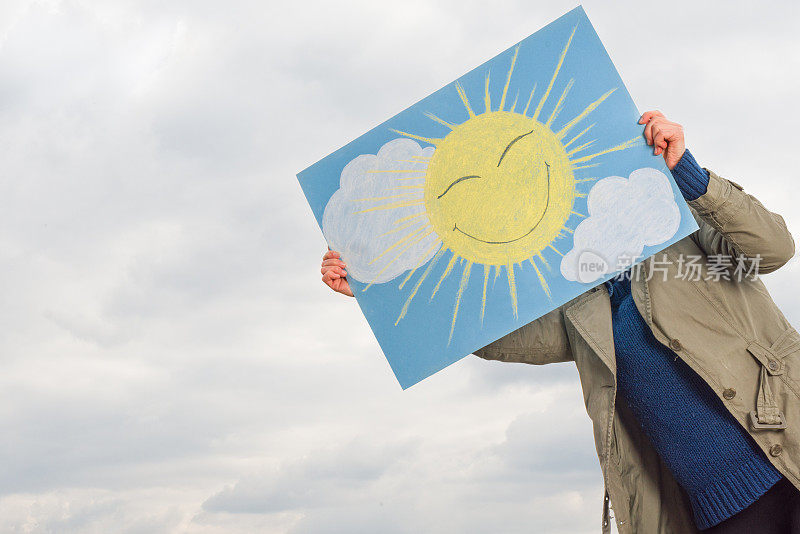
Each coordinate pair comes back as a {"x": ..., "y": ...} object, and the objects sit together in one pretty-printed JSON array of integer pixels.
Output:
[
  {"x": 615, "y": 456},
  {"x": 776, "y": 356}
]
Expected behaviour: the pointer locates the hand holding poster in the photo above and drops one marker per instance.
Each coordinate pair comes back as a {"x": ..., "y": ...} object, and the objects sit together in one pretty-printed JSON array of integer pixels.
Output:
[{"x": 496, "y": 199}]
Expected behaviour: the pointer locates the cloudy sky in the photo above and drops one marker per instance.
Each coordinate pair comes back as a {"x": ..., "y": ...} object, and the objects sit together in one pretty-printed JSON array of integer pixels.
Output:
[{"x": 170, "y": 360}]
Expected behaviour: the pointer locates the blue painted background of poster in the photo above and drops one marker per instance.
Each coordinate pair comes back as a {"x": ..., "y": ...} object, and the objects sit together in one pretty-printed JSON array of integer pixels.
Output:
[{"x": 496, "y": 199}]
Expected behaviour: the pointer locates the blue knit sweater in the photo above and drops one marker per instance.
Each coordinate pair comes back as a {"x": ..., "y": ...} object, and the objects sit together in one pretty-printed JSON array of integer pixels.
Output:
[{"x": 710, "y": 455}]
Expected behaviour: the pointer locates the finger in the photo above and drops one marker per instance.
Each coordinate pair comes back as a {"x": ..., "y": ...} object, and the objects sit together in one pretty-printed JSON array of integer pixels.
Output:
[
  {"x": 343, "y": 287},
  {"x": 648, "y": 130},
  {"x": 339, "y": 271},
  {"x": 647, "y": 115},
  {"x": 655, "y": 133},
  {"x": 331, "y": 273},
  {"x": 672, "y": 131},
  {"x": 330, "y": 268},
  {"x": 339, "y": 284},
  {"x": 659, "y": 139},
  {"x": 345, "y": 291},
  {"x": 334, "y": 261},
  {"x": 330, "y": 277}
]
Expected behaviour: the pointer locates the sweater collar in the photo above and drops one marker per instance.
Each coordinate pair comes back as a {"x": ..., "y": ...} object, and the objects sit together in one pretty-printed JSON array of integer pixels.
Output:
[{"x": 619, "y": 288}]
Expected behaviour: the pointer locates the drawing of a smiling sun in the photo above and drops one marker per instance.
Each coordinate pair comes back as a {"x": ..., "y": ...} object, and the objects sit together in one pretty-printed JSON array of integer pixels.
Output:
[{"x": 498, "y": 190}]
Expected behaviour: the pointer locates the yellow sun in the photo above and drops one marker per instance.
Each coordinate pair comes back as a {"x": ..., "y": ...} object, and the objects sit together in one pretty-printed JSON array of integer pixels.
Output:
[{"x": 498, "y": 190}]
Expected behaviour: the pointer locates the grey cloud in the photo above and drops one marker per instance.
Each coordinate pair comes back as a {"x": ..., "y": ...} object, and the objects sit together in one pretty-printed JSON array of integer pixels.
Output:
[
  {"x": 325, "y": 478},
  {"x": 166, "y": 334}
]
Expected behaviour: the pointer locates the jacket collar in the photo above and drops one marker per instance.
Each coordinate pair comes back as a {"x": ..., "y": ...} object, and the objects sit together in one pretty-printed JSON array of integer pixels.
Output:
[{"x": 590, "y": 314}]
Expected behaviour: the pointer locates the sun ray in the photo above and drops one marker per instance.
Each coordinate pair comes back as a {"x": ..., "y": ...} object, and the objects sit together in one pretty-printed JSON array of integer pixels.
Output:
[
  {"x": 577, "y": 136},
  {"x": 409, "y": 187},
  {"x": 400, "y": 242},
  {"x": 587, "y": 180},
  {"x": 437, "y": 243},
  {"x": 420, "y": 238},
  {"x": 461, "y": 287},
  {"x": 412, "y": 223},
  {"x": 542, "y": 280},
  {"x": 512, "y": 287},
  {"x": 401, "y": 195},
  {"x": 577, "y": 149},
  {"x": 579, "y": 167},
  {"x": 541, "y": 257},
  {"x": 559, "y": 104},
  {"x": 577, "y": 213},
  {"x": 496, "y": 275},
  {"x": 444, "y": 274},
  {"x": 432, "y": 141},
  {"x": 464, "y": 99},
  {"x": 397, "y": 171},
  {"x": 525, "y": 111},
  {"x": 555, "y": 74},
  {"x": 487, "y": 98},
  {"x": 591, "y": 107},
  {"x": 393, "y": 206},
  {"x": 622, "y": 146},
  {"x": 568, "y": 229},
  {"x": 409, "y": 217},
  {"x": 410, "y": 274},
  {"x": 514, "y": 105},
  {"x": 422, "y": 157},
  {"x": 440, "y": 121},
  {"x": 486, "y": 269},
  {"x": 419, "y": 283},
  {"x": 411, "y": 178},
  {"x": 508, "y": 78},
  {"x": 558, "y": 251}
]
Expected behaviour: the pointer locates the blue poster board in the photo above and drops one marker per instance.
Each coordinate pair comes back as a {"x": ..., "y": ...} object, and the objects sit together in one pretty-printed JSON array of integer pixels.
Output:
[{"x": 496, "y": 199}]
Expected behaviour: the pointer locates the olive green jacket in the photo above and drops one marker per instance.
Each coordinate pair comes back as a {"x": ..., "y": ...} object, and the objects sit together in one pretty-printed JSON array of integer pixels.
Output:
[{"x": 729, "y": 331}]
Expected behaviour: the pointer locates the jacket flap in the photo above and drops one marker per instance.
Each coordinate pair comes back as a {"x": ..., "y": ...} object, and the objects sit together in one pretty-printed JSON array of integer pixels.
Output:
[
  {"x": 771, "y": 363},
  {"x": 593, "y": 323}
]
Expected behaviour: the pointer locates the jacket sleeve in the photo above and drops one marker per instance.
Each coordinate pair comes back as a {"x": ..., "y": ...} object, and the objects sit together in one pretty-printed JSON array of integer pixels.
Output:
[
  {"x": 735, "y": 224},
  {"x": 541, "y": 341}
]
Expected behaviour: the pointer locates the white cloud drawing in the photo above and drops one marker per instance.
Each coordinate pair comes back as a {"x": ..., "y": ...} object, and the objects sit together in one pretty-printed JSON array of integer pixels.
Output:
[
  {"x": 380, "y": 244},
  {"x": 625, "y": 215}
]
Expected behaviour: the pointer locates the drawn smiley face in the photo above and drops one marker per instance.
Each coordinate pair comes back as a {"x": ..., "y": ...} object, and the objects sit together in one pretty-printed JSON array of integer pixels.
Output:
[{"x": 500, "y": 188}]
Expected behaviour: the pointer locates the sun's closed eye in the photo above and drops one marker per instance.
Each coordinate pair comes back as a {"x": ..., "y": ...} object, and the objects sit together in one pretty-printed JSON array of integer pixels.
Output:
[
  {"x": 517, "y": 138},
  {"x": 457, "y": 181}
]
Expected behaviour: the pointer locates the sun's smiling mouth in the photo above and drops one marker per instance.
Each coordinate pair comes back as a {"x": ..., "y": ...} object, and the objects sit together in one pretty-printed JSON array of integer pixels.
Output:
[{"x": 544, "y": 211}]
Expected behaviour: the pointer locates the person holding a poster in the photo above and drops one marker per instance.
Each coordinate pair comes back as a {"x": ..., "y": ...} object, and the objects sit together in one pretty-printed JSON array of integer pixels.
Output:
[{"x": 690, "y": 372}]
